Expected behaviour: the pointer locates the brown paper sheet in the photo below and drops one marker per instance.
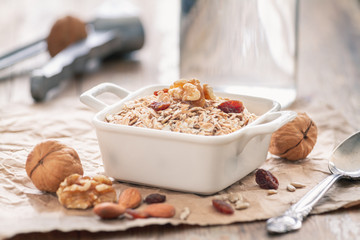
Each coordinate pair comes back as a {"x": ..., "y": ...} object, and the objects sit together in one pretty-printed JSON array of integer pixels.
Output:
[{"x": 25, "y": 209}]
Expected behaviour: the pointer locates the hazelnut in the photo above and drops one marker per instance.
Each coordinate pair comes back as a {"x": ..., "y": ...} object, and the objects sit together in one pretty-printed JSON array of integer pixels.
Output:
[
  {"x": 49, "y": 163},
  {"x": 295, "y": 140},
  {"x": 64, "y": 32}
]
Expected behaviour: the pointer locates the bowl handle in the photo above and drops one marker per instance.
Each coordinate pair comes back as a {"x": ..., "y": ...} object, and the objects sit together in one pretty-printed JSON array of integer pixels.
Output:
[
  {"x": 269, "y": 124},
  {"x": 89, "y": 97}
]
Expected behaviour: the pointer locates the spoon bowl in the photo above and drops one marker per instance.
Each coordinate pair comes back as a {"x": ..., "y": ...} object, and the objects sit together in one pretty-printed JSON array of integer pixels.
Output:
[
  {"x": 344, "y": 163},
  {"x": 345, "y": 159}
]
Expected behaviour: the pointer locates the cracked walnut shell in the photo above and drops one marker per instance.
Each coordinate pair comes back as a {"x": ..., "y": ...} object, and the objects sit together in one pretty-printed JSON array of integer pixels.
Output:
[
  {"x": 295, "y": 140},
  {"x": 49, "y": 163},
  {"x": 79, "y": 192}
]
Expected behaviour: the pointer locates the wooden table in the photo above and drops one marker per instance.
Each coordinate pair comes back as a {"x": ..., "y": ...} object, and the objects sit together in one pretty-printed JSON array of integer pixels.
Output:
[{"x": 329, "y": 71}]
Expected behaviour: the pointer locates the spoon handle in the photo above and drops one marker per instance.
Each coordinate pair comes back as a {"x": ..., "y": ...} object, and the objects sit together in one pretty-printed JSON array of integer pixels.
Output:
[{"x": 293, "y": 217}]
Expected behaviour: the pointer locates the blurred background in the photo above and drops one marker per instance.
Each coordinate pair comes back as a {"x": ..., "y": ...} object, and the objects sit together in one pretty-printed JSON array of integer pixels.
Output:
[
  {"x": 328, "y": 48},
  {"x": 26, "y": 21}
]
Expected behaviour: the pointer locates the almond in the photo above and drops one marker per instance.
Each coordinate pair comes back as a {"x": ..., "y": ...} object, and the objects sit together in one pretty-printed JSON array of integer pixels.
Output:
[
  {"x": 130, "y": 198},
  {"x": 135, "y": 214},
  {"x": 160, "y": 210},
  {"x": 107, "y": 210}
]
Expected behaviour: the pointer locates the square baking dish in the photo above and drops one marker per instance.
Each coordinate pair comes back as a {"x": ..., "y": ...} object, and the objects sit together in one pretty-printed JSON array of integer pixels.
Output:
[{"x": 179, "y": 161}]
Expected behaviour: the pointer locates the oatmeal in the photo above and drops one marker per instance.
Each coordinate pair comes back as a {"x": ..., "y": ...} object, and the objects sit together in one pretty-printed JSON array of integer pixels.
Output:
[{"x": 185, "y": 107}]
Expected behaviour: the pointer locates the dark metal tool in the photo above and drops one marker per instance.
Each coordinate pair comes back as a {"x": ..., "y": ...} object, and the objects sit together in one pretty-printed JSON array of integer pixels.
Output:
[
  {"x": 22, "y": 53},
  {"x": 116, "y": 29}
]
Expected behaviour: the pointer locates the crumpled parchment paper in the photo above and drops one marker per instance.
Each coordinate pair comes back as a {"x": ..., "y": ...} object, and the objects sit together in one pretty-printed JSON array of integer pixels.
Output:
[{"x": 25, "y": 209}]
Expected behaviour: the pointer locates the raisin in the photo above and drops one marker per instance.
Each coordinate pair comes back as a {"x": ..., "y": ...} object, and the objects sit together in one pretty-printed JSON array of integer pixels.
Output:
[
  {"x": 155, "y": 198},
  {"x": 222, "y": 206},
  {"x": 158, "y": 106},
  {"x": 165, "y": 90},
  {"x": 266, "y": 180},
  {"x": 231, "y": 106},
  {"x": 135, "y": 214}
]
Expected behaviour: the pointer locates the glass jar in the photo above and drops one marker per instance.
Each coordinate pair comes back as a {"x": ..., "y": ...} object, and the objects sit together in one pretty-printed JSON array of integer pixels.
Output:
[{"x": 241, "y": 46}]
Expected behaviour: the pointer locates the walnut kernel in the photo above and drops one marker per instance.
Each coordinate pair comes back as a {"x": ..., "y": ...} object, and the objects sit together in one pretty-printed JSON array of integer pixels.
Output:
[
  {"x": 190, "y": 90},
  {"x": 83, "y": 192},
  {"x": 191, "y": 93},
  {"x": 176, "y": 93},
  {"x": 209, "y": 92}
]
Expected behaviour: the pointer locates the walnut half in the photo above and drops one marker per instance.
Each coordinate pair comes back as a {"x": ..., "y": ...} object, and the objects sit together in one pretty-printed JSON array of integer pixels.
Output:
[
  {"x": 191, "y": 91},
  {"x": 84, "y": 192}
]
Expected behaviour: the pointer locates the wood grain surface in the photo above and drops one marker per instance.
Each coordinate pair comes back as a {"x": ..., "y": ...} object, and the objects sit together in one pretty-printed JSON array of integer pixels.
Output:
[{"x": 329, "y": 71}]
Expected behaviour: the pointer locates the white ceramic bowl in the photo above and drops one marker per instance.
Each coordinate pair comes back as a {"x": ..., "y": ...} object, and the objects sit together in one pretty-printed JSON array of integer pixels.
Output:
[{"x": 179, "y": 161}]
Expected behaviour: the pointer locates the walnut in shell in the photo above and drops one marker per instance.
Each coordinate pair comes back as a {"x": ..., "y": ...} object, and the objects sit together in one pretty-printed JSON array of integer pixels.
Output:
[
  {"x": 50, "y": 162},
  {"x": 65, "y": 31},
  {"x": 296, "y": 139},
  {"x": 79, "y": 192}
]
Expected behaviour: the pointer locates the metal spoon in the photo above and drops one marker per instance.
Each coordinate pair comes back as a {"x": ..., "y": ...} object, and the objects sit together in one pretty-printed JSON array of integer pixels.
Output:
[{"x": 344, "y": 163}]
